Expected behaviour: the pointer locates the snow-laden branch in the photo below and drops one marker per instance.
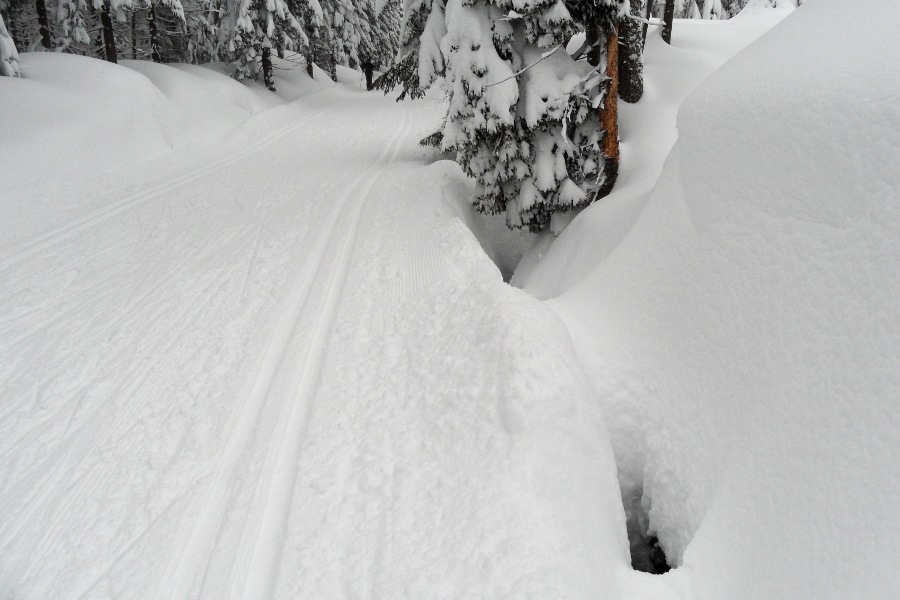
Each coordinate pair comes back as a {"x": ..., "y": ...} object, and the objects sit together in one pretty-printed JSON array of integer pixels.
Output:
[{"x": 517, "y": 73}]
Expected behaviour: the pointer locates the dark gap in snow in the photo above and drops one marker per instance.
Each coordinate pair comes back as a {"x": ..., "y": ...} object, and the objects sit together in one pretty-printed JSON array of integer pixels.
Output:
[{"x": 647, "y": 555}]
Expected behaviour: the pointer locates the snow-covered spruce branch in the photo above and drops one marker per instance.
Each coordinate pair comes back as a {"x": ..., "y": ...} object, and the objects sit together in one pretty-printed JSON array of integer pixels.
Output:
[{"x": 517, "y": 73}]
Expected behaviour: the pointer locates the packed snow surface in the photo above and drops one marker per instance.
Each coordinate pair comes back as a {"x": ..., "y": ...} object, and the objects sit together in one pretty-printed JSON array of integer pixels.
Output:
[{"x": 248, "y": 349}]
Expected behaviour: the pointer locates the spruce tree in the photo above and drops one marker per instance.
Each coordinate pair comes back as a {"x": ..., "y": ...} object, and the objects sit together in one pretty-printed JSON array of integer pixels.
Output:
[
  {"x": 379, "y": 36},
  {"x": 525, "y": 117},
  {"x": 421, "y": 31},
  {"x": 9, "y": 58},
  {"x": 712, "y": 9},
  {"x": 71, "y": 18},
  {"x": 258, "y": 28}
]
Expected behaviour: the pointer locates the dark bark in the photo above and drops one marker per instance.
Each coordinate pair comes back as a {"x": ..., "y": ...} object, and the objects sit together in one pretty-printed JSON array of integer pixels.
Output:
[
  {"x": 609, "y": 114},
  {"x": 268, "y": 75},
  {"x": 155, "y": 55},
  {"x": 134, "y": 35},
  {"x": 41, "y": 8},
  {"x": 647, "y": 14},
  {"x": 310, "y": 36},
  {"x": 332, "y": 65},
  {"x": 109, "y": 40},
  {"x": 668, "y": 17},
  {"x": 369, "y": 70},
  {"x": 631, "y": 66}
]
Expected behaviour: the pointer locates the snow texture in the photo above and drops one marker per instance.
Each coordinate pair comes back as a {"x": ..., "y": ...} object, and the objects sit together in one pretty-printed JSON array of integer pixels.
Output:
[
  {"x": 744, "y": 332},
  {"x": 302, "y": 379}
]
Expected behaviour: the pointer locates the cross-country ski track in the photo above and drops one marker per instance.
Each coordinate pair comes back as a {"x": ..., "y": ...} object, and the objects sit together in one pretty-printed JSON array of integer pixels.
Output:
[{"x": 290, "y": 371}]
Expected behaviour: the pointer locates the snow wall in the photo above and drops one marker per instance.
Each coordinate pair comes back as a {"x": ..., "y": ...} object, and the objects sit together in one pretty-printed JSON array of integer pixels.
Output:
[{"x": 752, "y": 318}]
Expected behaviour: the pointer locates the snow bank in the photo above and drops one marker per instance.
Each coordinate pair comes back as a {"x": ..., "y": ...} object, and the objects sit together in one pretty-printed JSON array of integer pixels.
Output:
[
  {"x": 80, "y": 133},
  {"x": 83, "y": 115},
  {"x": 750, "y": 319},
  {"x": 647, "y": 132}
]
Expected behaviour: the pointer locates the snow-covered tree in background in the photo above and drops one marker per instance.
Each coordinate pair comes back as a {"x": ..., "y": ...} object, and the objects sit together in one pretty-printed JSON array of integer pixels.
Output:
[
  {"x": 338, "y": 38},
  {"x": 379, "y": 35},
  {"x": 73, "y": 27},
  {"x": 421, "y": 31},
  {"x": 9, "y": 58},
  {"x": 156, "y": 8},
  {"x": 260, "y": 27},
  {"x": 712, "y": 9}
]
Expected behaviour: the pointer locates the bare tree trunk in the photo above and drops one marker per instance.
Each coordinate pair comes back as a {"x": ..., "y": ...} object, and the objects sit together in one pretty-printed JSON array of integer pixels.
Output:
[
  {"x": 133, "y": 35},
  {"x": 154, "y": 36},
  {"x": 109, "y": 40},
  {"x": 369, "y": 70},
  {"x": 631, "y": 66},
  {"x": 310, "y": 36},
  {"x": 609, "y": 114},
  {"x": 40, "y": 7},
  {"x": 268, "y": 75},
  {"x": 647, "y": 14},
  {"x": 668, "y": 17}
]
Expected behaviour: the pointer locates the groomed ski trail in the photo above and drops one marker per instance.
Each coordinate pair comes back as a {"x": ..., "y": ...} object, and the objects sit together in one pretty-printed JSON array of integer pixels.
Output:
[{"x": 328, "y": 262}]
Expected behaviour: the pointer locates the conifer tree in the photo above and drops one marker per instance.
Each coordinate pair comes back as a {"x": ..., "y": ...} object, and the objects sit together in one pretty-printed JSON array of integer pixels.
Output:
[
  {"x": 9, "y": 57},
  {"x": 173, "y": 7},
  {"x": 421, "y": 31},
  {"x": 523, "y": 118},
  {"x": 379, "y": 35},
  {"x": 70, "y": 16},
  {"x": 712, "y": 9},
  {"x": 260, "y": 27}
]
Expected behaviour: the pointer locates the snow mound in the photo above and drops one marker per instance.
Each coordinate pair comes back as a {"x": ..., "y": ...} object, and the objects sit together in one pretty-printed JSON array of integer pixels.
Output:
[
  {"x": 120, "y": 114},
  {"x": 750, "y": 319}
]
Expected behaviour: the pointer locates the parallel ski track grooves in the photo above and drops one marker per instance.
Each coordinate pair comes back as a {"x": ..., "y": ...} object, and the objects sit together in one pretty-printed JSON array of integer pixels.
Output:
[
  {"x": 186, "y": 567},
  {"x": 50, "y": 238}
]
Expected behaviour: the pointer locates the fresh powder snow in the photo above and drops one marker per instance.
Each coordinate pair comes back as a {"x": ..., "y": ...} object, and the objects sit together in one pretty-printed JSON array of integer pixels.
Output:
[{"x": 259, "y": 345}]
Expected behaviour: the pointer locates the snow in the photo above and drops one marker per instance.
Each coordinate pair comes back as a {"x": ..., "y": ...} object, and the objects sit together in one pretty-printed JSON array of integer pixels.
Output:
[
  {"x": 740, "y": 320},
  {"x": 257, "y": 353},
  {"x": 259, "y": 346}
]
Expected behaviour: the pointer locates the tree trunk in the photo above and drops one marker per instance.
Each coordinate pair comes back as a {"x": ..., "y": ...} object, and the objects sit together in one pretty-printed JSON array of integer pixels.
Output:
[
  {"x": 368, "y": 69},
  {"x": 631, "y": 66},
  {"x": 44, "y": 23},
  {"x": 668, "y": 17},
  {"x": 332, "y": 65},
  {"x": 609, "y": 114},
  {"x": 134, "y": 35},
  {"x": 268, "y": 75},
  {"x": 647, "y": 14},
  {"x": 109, "y": 40},
  {"x": 310, "y": 33},
  {"x": 155, "y": 55}
]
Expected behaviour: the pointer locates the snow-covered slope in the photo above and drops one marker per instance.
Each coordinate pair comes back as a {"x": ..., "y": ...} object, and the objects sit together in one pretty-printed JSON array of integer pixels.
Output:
[{"x": 748, "y": 324}]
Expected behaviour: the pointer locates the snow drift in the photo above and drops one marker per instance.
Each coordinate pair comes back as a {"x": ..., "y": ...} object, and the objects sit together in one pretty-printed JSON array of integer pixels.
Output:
[{"x": 750, "y": 319}]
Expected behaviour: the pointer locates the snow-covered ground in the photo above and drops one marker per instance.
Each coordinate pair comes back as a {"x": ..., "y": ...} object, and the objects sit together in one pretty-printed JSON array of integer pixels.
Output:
[
  {"x": 250, "y": 346},
  {"x": 743, "y": 328},
  {"x": 264, "y": 357}
]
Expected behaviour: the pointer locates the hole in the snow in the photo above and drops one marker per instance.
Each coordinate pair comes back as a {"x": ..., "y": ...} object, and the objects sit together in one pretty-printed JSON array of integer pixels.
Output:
[
  {"x": 647, "y": 553},
  {"x": 648, "y": 556}
]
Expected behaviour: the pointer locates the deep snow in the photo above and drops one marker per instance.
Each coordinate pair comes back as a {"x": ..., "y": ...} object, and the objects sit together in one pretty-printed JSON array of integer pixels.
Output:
[
  {"x": 263, "y": 357},
  {"x": 743, "y": 334},
  {"x": 250, "y": 346}
]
